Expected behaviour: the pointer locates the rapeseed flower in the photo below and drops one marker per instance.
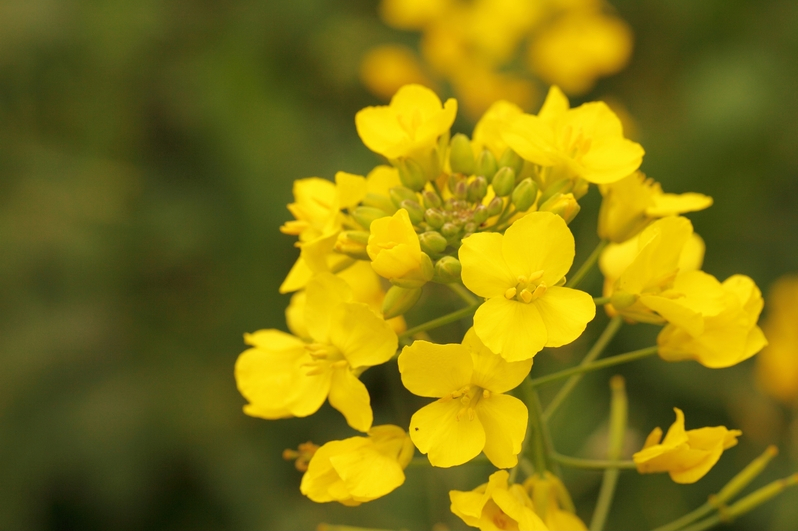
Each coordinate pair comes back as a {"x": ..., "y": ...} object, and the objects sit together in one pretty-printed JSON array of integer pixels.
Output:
[
  {"x": 520, "y": 273},
  {"x": 472, "y": 414},
  {"x": 552, "y": 503},
  {"x": 395, "y": 251}
]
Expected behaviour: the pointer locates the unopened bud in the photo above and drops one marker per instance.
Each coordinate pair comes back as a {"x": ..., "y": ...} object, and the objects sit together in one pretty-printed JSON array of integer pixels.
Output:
[
  {"x": 447, "y": 269},
  {"x": 412, "y": 174},
  {"x": 504, "y": 182},
  {"x": 400, "y": 193},
  {"x": 524, "y": 195},
  {"x": 563, "y": 186},
  {"x": 450, "y": 230},
  {"x": 480, "y": 215},
  {"x": 432, "y": 242},
  {"x": 564, "y": 205},
  {"x": 460, "y": 190},
  {"x": 581, "y": 187},
  {"x": 414, "y": 211},
  {"x": 461, "y": 155},
  {"x": 352, "y": 243},
  {"x": 398, "y": 300},
  {"x": 495, "y": 207},
  {"x": 511, "y": 159},
  {"x": 383, "y": 202},
  {"x": 431, "y": 199},
  {"x": 477, "y": 189},
  {"x": 434, "y": 218},
  {"x": 364, "y": 215},
  {"x": 469, "y": 228},
  {"x": 486, "y": 165}
]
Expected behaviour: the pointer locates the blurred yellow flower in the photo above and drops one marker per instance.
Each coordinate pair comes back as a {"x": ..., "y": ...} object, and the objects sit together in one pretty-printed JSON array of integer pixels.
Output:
[
  {"x": 385, "y": 69},
  {"x": 521, "y": 273},
  {"x": 686, "y": 455},
  {"x": 777, "y": 365},
  {"x": 472, "y": 414},
  {"x": 283, "y": 376},
  {"x": 585, "y": 142},
  {"x": 395, "y": 251},
  {"x": 358, "y": 469},
  {"x": 552, "y": 503},
  {"x": 630, "y": 204},
  {"x": 496, "y": 505}
]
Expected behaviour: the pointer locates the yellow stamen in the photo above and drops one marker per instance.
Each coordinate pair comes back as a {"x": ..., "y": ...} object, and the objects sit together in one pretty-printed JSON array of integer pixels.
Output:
[
  {"x": 485, "y": 393},
  {"x": 510, "y": 293},
  {"x": 527, "y": 295},
  {"x": 539, "y": 291}
]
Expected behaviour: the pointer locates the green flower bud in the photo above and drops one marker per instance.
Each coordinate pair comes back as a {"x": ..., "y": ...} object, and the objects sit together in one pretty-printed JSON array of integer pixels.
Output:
[
  {"x": 447, "y": 270},
  {"x": 412, "y": 174},
  {"x": 469, "y": 228},
  {"x": 504, "y": 182},
  {"x": 480, "y": 215},
  {"x": 399, "y": 300},
  {"x": 564, "y": 205},
  {"x": 495, "y": 207},
  {"x": 364, "y": 215},
  {"x": 400, "y": 193},
  {"x": 524, "y": 195},
  {"x": 432, "y": 242},
  {"x": 486, "y": 165},
  {"x": 477, "y": 189},
  {"x": 511, "y": 159},
  {"x": 414, "y": 211},
  {"x": 434, "y": 218},
  {"x": 431, "y": 199},
  {"x": 450, "y": 230},
  {"x": 461, "y": 155},
  {"x": 563, "y": 186},
  {"x": 382, "y": 202}
]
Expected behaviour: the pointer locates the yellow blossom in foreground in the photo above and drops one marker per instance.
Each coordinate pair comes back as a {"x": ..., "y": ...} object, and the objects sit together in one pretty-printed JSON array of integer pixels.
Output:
[
  {"x": 777, "y": 365},
  {"x": 358, "y": 469},
  {"x": 728, "y": 336},
  {"x": 488, "y": 131},
  {"x": 282, "y": 376},
  {"x": 686, "y": 455},
  {"x": 496, "y": 505},
  {"x": 551, "y": 501},
  {"x": 577, "y": 49},
  {"x": 395, "y": 251},
  {"x": 585, "y": 142},
  {"x": 385, "y": 69},
  {"x": 630, "y": 204},
  {"x": 409, "y": 126},
  {"x": 472, "y": 414},
  {"x": 520, "y": 273}
]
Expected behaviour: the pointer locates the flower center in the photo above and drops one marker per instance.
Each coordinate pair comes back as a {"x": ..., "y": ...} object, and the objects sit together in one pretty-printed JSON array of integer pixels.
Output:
[
  {"x": 323, "y": 358},
  {"x": 469, "y": 396},
  {"x": 575, "y": 145},
  {"x": 528, "y": 288}
]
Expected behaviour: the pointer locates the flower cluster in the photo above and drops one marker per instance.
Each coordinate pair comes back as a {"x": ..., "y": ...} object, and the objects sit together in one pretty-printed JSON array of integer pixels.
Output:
[
  {"x": 476, "y": 46},
  {"x": 488, "y": 217}
]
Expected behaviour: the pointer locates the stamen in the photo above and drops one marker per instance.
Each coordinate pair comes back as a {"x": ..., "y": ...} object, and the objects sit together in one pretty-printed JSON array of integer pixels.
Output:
[
  {"x": 510, "y": 293},
  {"x": 340, "y": 364},
  {"x": 539, "y": 291},
  {"x": 485, "y": 393},
  {"x": 471, "y": 413},
  {"x": 527, "y": 295},
  {"x": 536, "y": 275}
]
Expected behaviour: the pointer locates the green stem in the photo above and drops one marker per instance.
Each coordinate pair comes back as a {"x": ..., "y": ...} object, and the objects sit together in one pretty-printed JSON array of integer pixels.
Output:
[
  {"x": 594, "y": 352},
  {"x": 601, "y": 301},
  {"x": 619, "y": 407},
  {"x": 440, "y": 321},
  {"x": 588, "y": 264},
  {"x": 462, "y": 292},
  {"x": 601, "y": 364},
  {"x": 591, "y": 464}
]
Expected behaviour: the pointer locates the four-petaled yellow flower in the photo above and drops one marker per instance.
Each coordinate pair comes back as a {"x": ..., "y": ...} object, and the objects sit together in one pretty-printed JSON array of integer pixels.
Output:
[
  {"x": 283, "y": 376},
  {"x": 358, "y": 469},
  {"x": 496, "y": 505},
  {"x": 552, "y": 502},
  {"x": 686, "y": 455},
  {"x": 585, "y": 142},
  {"x": 472, "y": 414},
  {"x": 395, "y": 251},
  {"x": 520, "y": 273}
]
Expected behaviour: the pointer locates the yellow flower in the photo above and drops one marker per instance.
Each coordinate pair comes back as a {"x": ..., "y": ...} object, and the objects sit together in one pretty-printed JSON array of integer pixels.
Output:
[
  {"x": 479, "y": 86},
  {"x": 283, "y": 376},
  {"x": 686, "y": 455},
  {"x": 577, "y": 49},
  {"x": 548, "y": 495},
  {"x": 472, "y": 414},
  {"x": 727, "y": 336},
  {"x": 777, "y": 365},
  {"x": 358, "y": 469},
  {"x": 409, "y": 126},
  {"x": 495, "y": 505},
  {"x": 395, "y": 251},
  {"x": 585, "y": 142},
  {"x": 488, "y": 131},
  {"x": 630, "y": 204},
  {"x": 520, "y": 273},
  {"x": 385, "y": 69},
  {"x": 412, "y": 14}
]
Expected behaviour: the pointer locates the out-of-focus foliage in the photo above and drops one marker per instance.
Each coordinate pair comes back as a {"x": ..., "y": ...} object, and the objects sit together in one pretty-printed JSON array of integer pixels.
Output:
[{"x": 147, "y": 151}]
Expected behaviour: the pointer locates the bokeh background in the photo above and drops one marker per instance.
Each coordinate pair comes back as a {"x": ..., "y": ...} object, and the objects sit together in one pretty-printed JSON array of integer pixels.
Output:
[{"x": 147, "y": 151}]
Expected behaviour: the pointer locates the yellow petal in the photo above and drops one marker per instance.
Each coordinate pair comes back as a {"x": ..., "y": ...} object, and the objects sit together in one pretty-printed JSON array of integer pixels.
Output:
[
  {"x": 611, "y": 160},
  {"x": 447, "y": 440},
  {"x": 367, "y": 473},
  {"x": 504, "y": 419},
  {"x": 364, "y": 338},
  {"x": 321, "y": 482},
  {"x": 324, "y": 293},
  {"x": 514, "y": 508},
  {"x": 485, "y": 271},
  {"x": 533, "y": 139},
  {"x": 491, "y": 371},
  {"x": 297, "y": 278},
  {"x": 540, "y": 241},
  {"x": 555, "y": 106},
  {"x": 672, "y": 204},
  {"x": 349, "y": 396},
  {"x": 351, "y": 189},
  {"x": 488, "y": 131},
  {"x": 468, "y": 505},
  {"x": 510, "y": 328},
  {"x": 565, "y": 312},
  {"x": 433, "y": 370}
]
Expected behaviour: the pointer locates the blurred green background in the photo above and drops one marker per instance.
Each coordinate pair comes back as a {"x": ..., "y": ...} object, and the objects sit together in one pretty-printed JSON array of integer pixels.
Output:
[{"x": 147, "y": 151}]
